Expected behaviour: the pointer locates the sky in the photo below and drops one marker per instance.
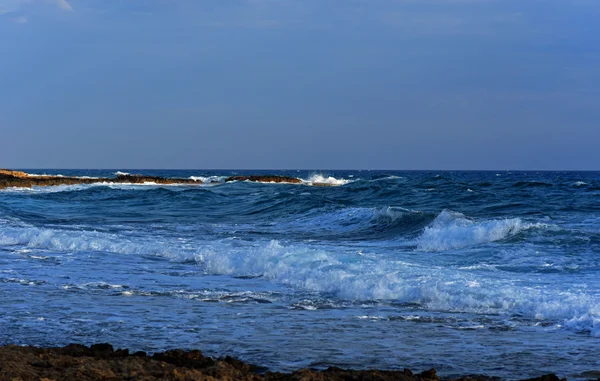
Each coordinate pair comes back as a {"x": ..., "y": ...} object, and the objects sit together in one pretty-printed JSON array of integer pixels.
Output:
[{"x": 300, "y": 84}]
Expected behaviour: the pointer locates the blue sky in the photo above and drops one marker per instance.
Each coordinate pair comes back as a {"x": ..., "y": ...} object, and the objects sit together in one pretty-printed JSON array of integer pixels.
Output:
[{"x": 319, "y": 84}]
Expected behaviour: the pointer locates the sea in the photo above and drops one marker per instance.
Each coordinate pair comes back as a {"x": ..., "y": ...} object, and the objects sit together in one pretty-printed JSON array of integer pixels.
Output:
[{"x": 494, "y": 272}]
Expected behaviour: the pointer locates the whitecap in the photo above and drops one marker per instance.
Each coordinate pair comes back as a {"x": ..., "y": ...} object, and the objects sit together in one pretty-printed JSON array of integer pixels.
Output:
[
  {"x": 209, "y": 179},
  {"x": 452, "y": 230},
  {"x": 319, "y": 179}
]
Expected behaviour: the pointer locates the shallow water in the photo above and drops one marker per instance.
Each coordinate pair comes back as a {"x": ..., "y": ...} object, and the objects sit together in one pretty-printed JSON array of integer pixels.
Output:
[{"x": 467, "y": 272}]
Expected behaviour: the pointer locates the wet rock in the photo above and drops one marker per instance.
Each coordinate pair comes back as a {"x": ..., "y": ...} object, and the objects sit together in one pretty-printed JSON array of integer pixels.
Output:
[
  {"x": 265, "y": 179},
  {"x": 10, "y": 178},
  {"x": 546, "y": 377},
  {"x": 102, "y": 362},
  {"x": 429, "y": 375},
  {"x": 76, "y": 350},
  {"x": 102, "y": 350},
  {"x": 188, "y": 359},
  {"x": 139, "y": 179}
]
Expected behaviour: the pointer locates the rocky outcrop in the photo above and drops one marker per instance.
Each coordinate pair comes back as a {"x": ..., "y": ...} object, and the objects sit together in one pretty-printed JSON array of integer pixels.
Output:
[
  {"x": 10, "y": 178},
  {"x": 8, "y": 172},
  {"x": 102, "y": 362},
  {"x": 265, "y": 179},
  {"x": 139, "y": 179}
]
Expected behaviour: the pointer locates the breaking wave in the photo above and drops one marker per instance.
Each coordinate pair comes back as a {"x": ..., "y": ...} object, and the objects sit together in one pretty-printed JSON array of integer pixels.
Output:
[
  {"x": 452, "y": 230},
  {"x": 353, "y": 277},
  {"x": 347, "y": 275},
  {"x": 329, "y": 180}
]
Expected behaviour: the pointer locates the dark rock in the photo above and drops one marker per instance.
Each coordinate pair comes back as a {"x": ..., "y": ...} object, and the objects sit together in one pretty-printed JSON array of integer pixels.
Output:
[
  {"x": 101, "y": 362},
  {"x": 265, "y": 179},
  {"x": 546, "y": 377},
  {"x": 237, "y": 364},
  {"x": 102, "y": 350},
  {"x": 76, "y": 350},
  {"x": 10, "y": 178},
  {"x": 429, "y": 374},
  {"x": 189, "y": 359}
]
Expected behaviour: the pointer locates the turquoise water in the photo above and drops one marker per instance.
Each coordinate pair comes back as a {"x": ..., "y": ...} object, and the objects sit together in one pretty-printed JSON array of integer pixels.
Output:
[{"x": 467, "y": 272}]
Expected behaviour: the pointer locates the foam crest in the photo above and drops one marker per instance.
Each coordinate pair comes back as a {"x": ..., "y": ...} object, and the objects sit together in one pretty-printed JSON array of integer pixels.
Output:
[
  {"x": 209, "y": 179},
  {"x": 395, "y": 213},
  {"x": 350, "y": 276},
  {"x": 589, "y": 321},
  {"x": 344, "y": 274},
  {"x": 451, "y": 230},
  {"x": 329, "y": 180},
  {"x": 77, "y": 241}
]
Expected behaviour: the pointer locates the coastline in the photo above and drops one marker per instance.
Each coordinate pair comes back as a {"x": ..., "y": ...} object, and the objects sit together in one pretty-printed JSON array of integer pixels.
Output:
[
  {"x": 11, "y": 178},
  {"x": 103, "y": 362}
]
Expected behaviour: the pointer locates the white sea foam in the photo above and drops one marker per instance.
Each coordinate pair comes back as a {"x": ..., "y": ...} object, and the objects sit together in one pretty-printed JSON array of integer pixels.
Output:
[
  {"x": 119, "y": 173},
  {"x": 589, "y": 321},
  {"x": 441, "y": 289},
  {"x": 579, "y": 183},
  {"x": 209, "y": 179},
  {"x": 111, "y": 185},
  {"x": 348, "y": 275},
  {"x": 451, "y": 230},
  {"x": 329, "y": 180},
  {"x": 77, "y": 241},
  {"x": 42, "y": 175}
]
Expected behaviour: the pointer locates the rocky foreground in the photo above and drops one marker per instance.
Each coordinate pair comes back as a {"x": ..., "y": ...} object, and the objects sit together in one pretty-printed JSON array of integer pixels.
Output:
[
  {"x": 102, "y": 362},
  {"x": 9, "y": 178}
]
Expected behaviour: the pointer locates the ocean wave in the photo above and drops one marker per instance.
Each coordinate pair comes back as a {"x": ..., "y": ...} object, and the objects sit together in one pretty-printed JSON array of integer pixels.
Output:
[
  {"x": 320, "y": 179},
  {"x": 346, "y": 275},
  {"x": 78, "y": 241},
  {"x": 531, "y": 184},
  {"x": 359, "y": 223},
  {"x": 209, "y": 179},
  {"x": 588, "y": 322},
  {"x": 359, "y": 278},
  {"x": 452, "y": 230}
]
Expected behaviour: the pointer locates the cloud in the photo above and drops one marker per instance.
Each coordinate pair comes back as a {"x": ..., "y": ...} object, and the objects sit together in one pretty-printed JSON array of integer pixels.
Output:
[
  {"x": 64, "y": 5},
  {"x": 18, "y": 11},
  {"x": 16, "y": 6}
]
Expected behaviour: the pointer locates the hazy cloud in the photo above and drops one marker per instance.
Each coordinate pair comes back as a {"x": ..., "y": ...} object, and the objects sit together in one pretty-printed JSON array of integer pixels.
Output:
[
  {"x": 63, "y": 4},
  {"x": 19, "y": 6}
]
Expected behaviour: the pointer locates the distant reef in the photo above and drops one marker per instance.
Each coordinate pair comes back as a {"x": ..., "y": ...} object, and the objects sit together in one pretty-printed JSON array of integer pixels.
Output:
[
  {"x": 102, "y": 362},
  {"x": 10, "y": 178}
]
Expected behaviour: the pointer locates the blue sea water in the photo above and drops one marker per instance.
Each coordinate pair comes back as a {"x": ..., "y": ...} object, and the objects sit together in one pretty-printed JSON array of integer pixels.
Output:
[{"x": 467, "y": 272}]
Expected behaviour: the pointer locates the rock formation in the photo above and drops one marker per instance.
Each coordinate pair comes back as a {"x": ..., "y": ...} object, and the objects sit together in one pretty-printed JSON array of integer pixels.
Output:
[
  {"x": 9, "y": 178},
  {"x": 265, "y": 179},
  {"x": 102, "y": 362}
]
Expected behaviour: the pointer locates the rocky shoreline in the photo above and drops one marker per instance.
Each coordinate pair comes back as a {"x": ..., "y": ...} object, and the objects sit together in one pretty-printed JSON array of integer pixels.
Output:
[
  {"x": 10, "y": 178},
  {"x": 102, "y": 362}
]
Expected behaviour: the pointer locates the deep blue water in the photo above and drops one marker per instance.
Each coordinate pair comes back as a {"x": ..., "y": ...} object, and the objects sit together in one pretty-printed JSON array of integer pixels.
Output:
[{"x": 467, "y": 272}]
